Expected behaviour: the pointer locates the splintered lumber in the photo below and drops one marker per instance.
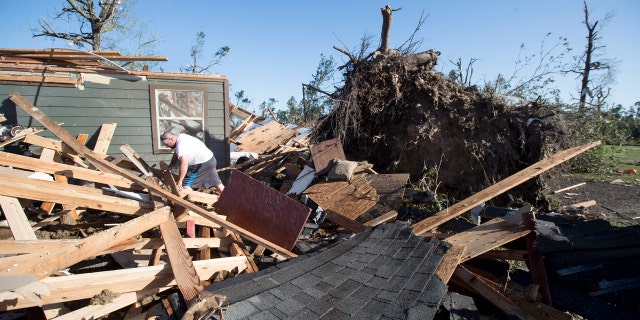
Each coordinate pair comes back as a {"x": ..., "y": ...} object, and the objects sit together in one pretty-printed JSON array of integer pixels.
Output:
[
  {"x": 70, "y": 171},
  {"x": 159, "y": 278},
  {"x": 322, "y": 153},
  {"x": 181, "y": 264},
  {"x": 17, "y": 219},
  {"x": 265, "y": 138},
  {"x": 133, "y": 156},
  {"x": 263, "y": 210},
  {"x": 487, "y": 236},
  {"x": 450, "y": 262},
  {"x": 504, "y": 185},
  {"x": 43, "y": 264},
  {"x": 106, "y": 166},
  {"x": 86, "y": 197},
  {"x": 349, "y": 199}
]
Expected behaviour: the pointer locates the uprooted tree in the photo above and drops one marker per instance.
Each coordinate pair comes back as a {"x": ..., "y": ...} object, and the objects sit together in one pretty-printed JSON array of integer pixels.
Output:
[{"x": 399, "y": 114}]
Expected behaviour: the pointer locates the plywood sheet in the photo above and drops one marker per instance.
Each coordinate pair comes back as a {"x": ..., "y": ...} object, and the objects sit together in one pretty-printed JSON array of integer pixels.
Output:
[
  {"x": 390, "y": 189},
  {"x": 346, "y": 198},
  {"x": 265, "y": 138},
  {"x": 263, "y": 211},
  {"x": 322, "y": 153}
]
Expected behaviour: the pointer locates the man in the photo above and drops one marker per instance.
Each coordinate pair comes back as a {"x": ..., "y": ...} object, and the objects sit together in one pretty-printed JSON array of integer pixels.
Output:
[{"x": 197, "y": 163}]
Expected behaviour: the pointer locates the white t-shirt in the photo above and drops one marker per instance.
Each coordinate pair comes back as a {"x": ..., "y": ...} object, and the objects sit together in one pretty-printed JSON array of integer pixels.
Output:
[{"x": 193, "y": 148}]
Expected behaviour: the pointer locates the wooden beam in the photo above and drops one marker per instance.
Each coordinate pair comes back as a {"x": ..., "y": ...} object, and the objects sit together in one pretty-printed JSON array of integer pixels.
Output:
[
  {"x": 135, "y": 158},
  {"x": 476, "y": 284},
  {"x": 450, "y": 262},
  {"x": 42, "y": 265},
  {"x": 181, "y": 264},
  {"x": 104, "y": 138},
  {"x": 103, "y": 165},
  {"x": 87, "y": 285},
  {"x": 487, "y": 236},
  {"x": 504, "y": 185},
  {"x": 70, "y": 171},
  {"x": 85, "y": 197},
  {"x": 44, "y": 245},
  {"x": 391, "y": 215},
  {"x": 17, "y": 219}
]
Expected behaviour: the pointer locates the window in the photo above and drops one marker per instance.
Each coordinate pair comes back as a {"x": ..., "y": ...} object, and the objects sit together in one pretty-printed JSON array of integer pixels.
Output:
[{"x": 179, "y": 110}]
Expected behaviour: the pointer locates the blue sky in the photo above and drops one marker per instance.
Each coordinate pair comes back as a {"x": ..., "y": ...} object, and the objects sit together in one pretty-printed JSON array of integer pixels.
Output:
[{"x": 276, "y": 45}]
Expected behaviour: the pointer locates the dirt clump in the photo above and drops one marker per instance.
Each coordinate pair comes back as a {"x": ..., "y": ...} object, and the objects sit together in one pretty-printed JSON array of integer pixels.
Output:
[{"x": 455, "y": 140}]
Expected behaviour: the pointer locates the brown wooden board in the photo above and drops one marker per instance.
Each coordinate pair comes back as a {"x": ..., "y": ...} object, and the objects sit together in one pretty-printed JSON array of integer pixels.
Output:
[
  {"x": 325, "y": 151},
  {"x": 346, "y": 198},
  {"x": 486, "y": 237},
  {"x": 263, "y": 211},
  {"x": 502, "y": 186},
  {"x": 265, "y": 138},
  {"x": 390, "y": 189}
]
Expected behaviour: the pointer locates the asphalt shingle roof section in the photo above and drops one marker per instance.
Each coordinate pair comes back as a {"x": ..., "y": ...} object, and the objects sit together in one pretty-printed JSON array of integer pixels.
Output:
[{"x": 384, "y": 272}]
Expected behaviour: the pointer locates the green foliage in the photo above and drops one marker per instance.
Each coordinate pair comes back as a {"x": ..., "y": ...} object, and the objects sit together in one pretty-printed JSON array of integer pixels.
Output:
[
  {"x": 197, "y": 50},
  {"x": 242, "y": 100},
  {"x": 316, "y": 101}
]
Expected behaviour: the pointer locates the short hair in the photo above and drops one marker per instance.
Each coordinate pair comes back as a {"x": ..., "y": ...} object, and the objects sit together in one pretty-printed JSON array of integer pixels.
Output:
[{"x": 167, "y": 135}]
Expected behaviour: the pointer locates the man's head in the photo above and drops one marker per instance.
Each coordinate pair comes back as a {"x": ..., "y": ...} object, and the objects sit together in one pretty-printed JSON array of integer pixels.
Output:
[{"x": 169, "y": 139}]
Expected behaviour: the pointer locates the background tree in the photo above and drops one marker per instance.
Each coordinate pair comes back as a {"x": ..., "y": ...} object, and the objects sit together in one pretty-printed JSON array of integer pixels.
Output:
[
  {"x": 241, "y": 99},
  {"x": 316, "y": 99},
  {"x": 105, "y": 25},
  {"x": 593, "y": 91},
  {"x": 197, "y": 50}
]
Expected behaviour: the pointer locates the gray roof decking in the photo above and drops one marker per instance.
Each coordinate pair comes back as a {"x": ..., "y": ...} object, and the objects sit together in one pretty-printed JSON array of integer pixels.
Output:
[{"x": 384, "y": 272}]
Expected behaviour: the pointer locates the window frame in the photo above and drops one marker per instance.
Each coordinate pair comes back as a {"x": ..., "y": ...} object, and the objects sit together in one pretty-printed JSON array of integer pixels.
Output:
[{"x": 172, "y": 103}]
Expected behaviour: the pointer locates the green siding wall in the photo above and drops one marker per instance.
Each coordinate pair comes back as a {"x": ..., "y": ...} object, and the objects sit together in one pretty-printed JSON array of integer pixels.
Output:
[{"x": 126, "y": 103}]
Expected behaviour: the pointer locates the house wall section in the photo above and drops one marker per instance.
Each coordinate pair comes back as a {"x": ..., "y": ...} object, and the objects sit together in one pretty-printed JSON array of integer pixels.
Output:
[{"x": 126, "y": 103}]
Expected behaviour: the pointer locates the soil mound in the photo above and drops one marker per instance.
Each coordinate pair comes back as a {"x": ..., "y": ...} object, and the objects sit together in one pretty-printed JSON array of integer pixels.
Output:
[{"x": 455, "y": 140}]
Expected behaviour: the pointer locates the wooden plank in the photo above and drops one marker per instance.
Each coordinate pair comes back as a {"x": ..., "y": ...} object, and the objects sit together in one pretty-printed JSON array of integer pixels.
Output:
[
  {"x": 570, "y": 187},
  {"x": 17, "y": 219},
  {"x": 85, "y": 197},
  {"x": 450, "y": 262},
  {"x": 42, "y": 265},
  {"x": 104, "y": 138},
  {"x": 346, "y": 198},
  {"x": 83, "y": 286},
  {"x": 391, "y": 215},
  {"x": 322, "y": 153},
  {"x": 135, "y": 158},
  {"x": 584, "y": 204},
  {"x": 181, "y": 264},
  {"x": 43, "y": 245},
  {"x": 70, "y": 171},
  {"x": 266, "y": 213},
  {"x": 390, "y": 189},
  {"x": 487, "y": 236},
  {"x": 475, "y": 283},
  {"x": 104, "y": 165},
  {"x": 504, "y": 185}
]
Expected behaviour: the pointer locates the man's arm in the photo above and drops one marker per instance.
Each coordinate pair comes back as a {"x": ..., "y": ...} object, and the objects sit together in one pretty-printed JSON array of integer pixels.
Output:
[{"x": 184, "y": 165}]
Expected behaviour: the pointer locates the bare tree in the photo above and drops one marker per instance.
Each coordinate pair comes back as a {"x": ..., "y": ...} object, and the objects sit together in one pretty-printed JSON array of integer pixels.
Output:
[
  {"x": 92, "y": 24},
  {"x": 598, "y": 92}
]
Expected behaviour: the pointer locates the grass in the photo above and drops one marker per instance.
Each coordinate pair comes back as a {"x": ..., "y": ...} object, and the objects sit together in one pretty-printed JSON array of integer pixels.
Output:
[{"x": 613, "y": 160}]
